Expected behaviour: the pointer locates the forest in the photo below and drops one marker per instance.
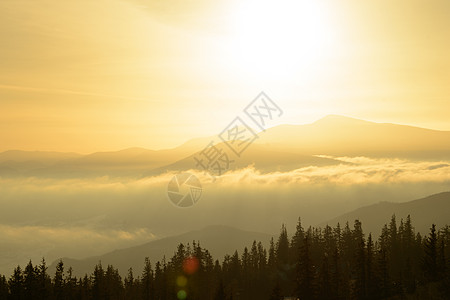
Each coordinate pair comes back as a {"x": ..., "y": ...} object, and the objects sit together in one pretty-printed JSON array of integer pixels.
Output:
[{"x": 313, "y": 263}]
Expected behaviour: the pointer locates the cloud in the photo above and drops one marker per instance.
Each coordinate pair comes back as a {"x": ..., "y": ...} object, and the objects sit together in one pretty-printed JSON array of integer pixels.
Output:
[
  {"x": 353, "y": 170},
  {"x": 66, "y": 92},
  {"x": 19, "y": 234},
  {"x": 21, "y": 243},
  {"x": 80, "y": 217},
  {"x": 356, "y": 170}
]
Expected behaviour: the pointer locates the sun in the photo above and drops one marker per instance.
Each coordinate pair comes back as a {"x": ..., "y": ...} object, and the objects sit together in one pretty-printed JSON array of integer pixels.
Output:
[{"x": 279, "y": 40}]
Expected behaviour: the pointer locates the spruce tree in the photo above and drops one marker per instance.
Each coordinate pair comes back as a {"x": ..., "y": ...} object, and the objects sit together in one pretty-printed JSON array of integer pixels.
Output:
[
  {"x": 305, "y": 271},
  {"x": 431, "y": 257}
]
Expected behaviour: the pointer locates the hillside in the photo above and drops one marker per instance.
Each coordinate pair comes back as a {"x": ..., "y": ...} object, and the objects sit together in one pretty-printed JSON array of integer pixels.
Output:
[
  {"x": 343, "y": 136},
  {"x": 432, "y": 209},
  {"x": 280, "y": 148},
  {"x": 219, "y": 240}
]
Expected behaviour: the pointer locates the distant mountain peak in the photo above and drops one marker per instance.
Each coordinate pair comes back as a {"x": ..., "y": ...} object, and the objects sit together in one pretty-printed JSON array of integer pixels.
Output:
[
  {"x": 339, "y": 119},
  {"x": 134, "y": 150}
]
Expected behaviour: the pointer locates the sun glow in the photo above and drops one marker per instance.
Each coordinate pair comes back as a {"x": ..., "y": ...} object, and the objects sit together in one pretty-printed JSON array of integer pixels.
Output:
[{"x": 274, "y": 40}]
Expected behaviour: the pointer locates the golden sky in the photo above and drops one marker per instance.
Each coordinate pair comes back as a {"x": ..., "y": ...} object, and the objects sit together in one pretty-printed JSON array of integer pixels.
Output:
[{"x": 89, "y": 76}]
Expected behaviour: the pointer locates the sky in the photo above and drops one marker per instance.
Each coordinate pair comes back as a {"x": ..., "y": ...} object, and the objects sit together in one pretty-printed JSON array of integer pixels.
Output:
[
  {"x": 88, "y": 76},
  {"x": 103, "y": 75}
]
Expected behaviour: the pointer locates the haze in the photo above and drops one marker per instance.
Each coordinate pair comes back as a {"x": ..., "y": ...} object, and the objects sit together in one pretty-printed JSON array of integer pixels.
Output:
[
  {"x": 83, "y": 76},
  {"x": 103, "y": 102}
]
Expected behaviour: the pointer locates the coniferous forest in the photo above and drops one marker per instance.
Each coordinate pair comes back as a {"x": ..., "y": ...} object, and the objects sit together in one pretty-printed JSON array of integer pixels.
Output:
[{"x": 315, "y": 263}]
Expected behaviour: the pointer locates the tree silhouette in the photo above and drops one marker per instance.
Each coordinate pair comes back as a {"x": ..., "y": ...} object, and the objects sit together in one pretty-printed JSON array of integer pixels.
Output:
[
  {"x": 331, "y": 264},
  {"x": 305, "y": 271},
  {"x": 430, "y": 259},
  {"x": 3, "y": 288}
]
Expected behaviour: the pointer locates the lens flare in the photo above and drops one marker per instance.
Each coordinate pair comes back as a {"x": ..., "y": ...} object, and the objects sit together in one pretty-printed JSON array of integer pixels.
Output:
[
  {"x": 181, "y": 294},
  {"x": 181, "y": 281},
  {"x": 190, "y": 265}
]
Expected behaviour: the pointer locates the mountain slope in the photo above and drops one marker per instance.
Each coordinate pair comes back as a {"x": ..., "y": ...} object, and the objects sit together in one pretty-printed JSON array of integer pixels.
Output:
[
  {"x": 343, "y": 136},
  {"x": 40, "y": 156},
  {"x": 432, "y": 209},
  {"x": 280, "y": 148},
  {"x": 219, "y": 240},
  {"x": 261, "y": 157},
  {"x": 288, "y": 147}
]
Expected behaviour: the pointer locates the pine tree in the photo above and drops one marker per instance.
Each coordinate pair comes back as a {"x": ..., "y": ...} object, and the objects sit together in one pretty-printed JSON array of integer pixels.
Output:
[
  {"x": 254, "y": 260},
  {"x": 441, "y": 259},
  {"x": 335, "y": 275},
  {"x": 31, "y": 281},
  {"x": 44, "y": 281},
  {"x": 3, "y": 288},
  {"x": 305, "y": 271},
  {"x": 17, "y": 285},
  {"x": 383, "y": 269},
  {"x": 247, "y": 273},
  {"x": 98, "y": 282},
  {"x": 129, "y": 285},
  {"x": 408, "y": 250},
  {"x": 147, "y": 281},
  {"x": 262, "y": 282},
  {"x": 282, "y": 251},
  {"x": 395, "y": 256},
  {"x": 236, "y": 274},
  {"x": 59, "y": 282},
  {"x": 347, "y": 253},
  {"x": 282, "y": 259},
  {"x": 360, "y": 261},
  {"x": 71, "y": 283},
  {"x": 272, "y": 260},
  {"x": 160, "y": 281},
  {"x": 372, "y": 287},
  {"x": 113, "y": 284},
  {"x": 430, "y": 260},
  {"x": 84, "y": 288},
  {"x": 296, "y": 241},
  {"x": 445, "y": 260},
  {"x": 325, "y": 290}
]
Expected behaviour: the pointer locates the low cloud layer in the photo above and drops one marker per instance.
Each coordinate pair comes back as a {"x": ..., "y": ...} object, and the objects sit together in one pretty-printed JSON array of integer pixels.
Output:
[
  {"x": 357, "y": 170},
  {"x": 83, "y": 217},
  {"x": 20, "y": 243}
]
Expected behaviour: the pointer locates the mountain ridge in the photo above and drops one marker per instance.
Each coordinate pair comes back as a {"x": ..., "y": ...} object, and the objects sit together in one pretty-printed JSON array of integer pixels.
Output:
[
  {"x": 333, "y": 135},
  {"x": 199, "y": 140},
  {"x": 218, "y": 239},
  {"x": 222, "y": 239},
  {"x": 424, "y": 211}
]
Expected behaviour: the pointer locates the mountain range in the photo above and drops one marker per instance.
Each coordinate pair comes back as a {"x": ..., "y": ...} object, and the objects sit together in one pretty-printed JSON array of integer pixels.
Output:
[
  {"x": 279, "y": 148},
  {"x": 423, "y": 212},
  {"x": 221, "y": 240}
]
